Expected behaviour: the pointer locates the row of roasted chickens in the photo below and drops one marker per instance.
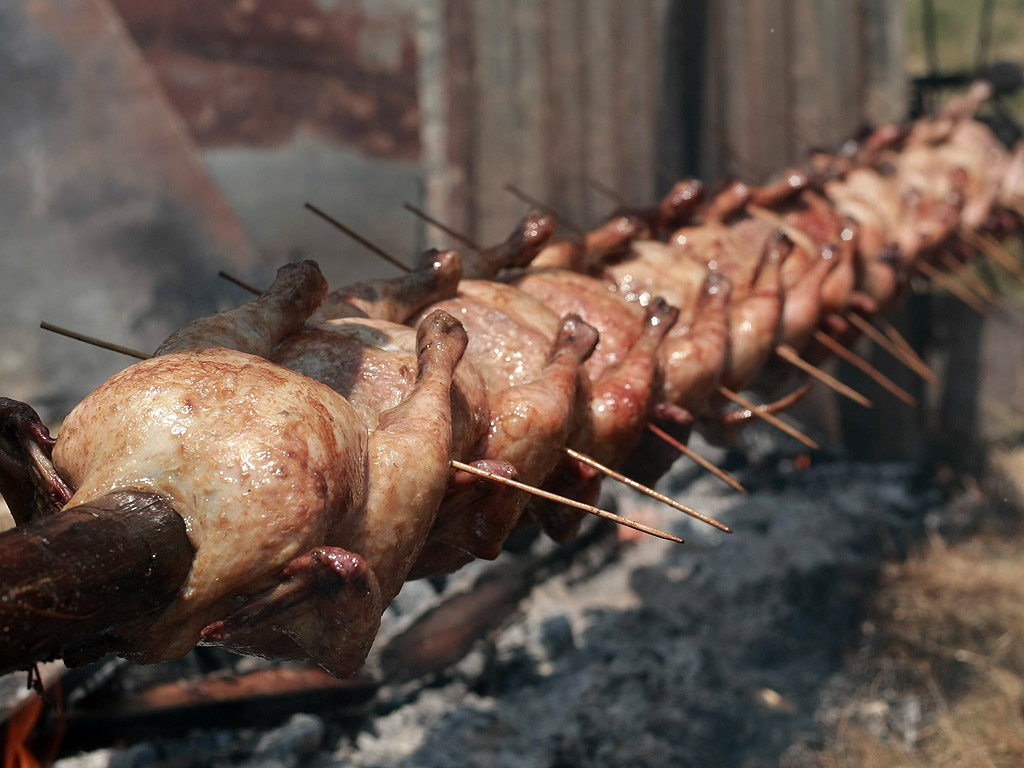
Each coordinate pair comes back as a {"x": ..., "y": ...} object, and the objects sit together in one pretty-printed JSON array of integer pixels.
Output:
[{"x": 306, "y": 437}]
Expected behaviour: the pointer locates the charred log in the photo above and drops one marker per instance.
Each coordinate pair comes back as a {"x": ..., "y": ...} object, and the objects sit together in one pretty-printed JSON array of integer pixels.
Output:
[{"x": 73, "y": 583}]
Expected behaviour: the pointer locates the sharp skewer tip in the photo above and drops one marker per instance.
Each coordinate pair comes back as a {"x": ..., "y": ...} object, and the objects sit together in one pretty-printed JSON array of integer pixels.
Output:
[
  {"x": 567, "y": 501},
  {"x": 581, "y": 457},
  {"x": 239, "y": 282},
  {"x": 604, "y": 189},
  {"x": 791, "y": 356},
  {"x": 954, "y": 287},
  {"x": 963, "y": 272},
  {"x": 995, "y": 251},
  {"x": 911, "y": 361},
  {"x": 372, "y": 247},
  {"x": 466, "y": 241},
  {"x": 863, "y": 365},
  {"x": 898, "y": 339},
  {"x": 687, "y": 451},
  {"x": 94, "y": 341},
  {"x": 771, "y": 418},
  {"x": 566, "y": 222}
]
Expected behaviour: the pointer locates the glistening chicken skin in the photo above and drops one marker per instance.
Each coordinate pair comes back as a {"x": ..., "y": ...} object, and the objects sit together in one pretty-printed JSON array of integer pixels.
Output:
[
  {"x": 304, "y": 524},
  {"x": 237, "y": 444}
]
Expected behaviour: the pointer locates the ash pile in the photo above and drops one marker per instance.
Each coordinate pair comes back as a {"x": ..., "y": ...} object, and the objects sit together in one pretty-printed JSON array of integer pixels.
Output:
[{"x": 636, "y": 652}]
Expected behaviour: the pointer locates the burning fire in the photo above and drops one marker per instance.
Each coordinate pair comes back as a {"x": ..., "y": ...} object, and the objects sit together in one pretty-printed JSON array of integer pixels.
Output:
[{"x": 19, "y": 728}]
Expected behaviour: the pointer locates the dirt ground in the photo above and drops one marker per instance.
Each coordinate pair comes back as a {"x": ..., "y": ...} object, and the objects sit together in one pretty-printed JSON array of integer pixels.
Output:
[{"x": 857, "y": 616}]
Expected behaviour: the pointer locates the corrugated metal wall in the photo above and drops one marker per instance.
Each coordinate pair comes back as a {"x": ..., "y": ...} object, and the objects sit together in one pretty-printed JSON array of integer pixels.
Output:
[
  {"x": 545, "y": 93},
  {"x": 786, "y": 76},
  {"x": 542, "y": 94}
]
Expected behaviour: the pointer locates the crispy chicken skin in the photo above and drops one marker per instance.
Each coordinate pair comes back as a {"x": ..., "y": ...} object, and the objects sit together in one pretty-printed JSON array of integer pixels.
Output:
[
  {"x": 237, "y": 444},
  {"x": 531, "y": 362},
  {"x": 435, "y": 277},
  {"x": 372, "y": 363},
  {"x": 258, "y": 325},
  {"x": 510, "y": 332}
]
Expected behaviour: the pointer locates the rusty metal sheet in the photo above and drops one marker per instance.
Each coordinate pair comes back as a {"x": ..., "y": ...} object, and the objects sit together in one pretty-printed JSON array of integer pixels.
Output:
[{"x": 254, "y": 72}]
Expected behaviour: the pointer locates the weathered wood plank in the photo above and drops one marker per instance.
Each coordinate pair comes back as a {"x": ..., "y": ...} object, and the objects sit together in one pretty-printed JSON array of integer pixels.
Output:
[
  {"x": 533, "y": 168},
  {"x": 884, "y": 52},
  {"x": 495, "y": 150},
  {"x": 567, "y": 106},
  {"x": 569, "y": 89},
  {"x": 602, "y": 82},
  {"x": 641, "y": 69},
  {"x": 458, "y": 207}
]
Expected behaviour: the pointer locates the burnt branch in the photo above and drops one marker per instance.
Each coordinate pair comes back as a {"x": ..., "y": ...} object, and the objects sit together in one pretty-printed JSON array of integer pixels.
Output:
[{"x": 73, "y": 583}]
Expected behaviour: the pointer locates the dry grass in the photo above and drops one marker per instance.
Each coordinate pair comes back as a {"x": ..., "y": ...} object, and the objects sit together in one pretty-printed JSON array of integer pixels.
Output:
[
  {"x": 948, "y": 648},
  {"x": 958, "y": 23},
  {"x": 957, "y": 26}
]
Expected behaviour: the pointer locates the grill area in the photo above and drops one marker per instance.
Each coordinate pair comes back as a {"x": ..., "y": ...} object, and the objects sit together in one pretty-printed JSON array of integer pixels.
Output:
[{"x": 613, "y": 646}]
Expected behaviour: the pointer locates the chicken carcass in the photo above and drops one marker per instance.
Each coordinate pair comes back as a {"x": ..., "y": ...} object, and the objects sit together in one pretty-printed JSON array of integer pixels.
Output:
[{"x": 305, "y": 524}]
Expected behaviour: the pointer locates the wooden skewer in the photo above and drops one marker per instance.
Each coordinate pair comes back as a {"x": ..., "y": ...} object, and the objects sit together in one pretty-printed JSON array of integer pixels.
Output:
[
  {"x": 566, "y": 222},
  {"x": 913, "y": 362},
  {"x": 582, "y": 457},
  {"x": 607, "y": 191},
  {"x": 994, "y": 249},
  {"x": 687, "y": 451},
  {"x": 94, "y": 341},
  {"x": 954, "y": 287},
  {"x": 771, "y": 418},
  {"x": 443, "y": 227},
  {"x": 991, "y": 248},
  {"x": 563, "y": 500},
  {"x": 956, "y": 282},
  {"x": 859, "y": 362},
  {"x": 902, "y": 343},
  {"x": 359, "y": 238},
  {"x": 964, "y": 274},
  {"x": 790, "y": 355},
  {"x": 240, "y": 283}
]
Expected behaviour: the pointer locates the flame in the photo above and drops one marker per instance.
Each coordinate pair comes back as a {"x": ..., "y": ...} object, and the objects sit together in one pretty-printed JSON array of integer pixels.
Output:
[{"x": 19, "y": 728}]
